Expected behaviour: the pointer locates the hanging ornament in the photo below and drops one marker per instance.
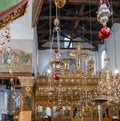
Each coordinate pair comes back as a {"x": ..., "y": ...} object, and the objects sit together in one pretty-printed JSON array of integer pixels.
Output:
[
  {"x": 50, "y": 99},
  {"x": 56, "y": 76},
  {"x": 56, "y": 22},
  {"x": 59, "y": 3},
  {"x": 56, "y": 64},
  {"x": 104, "y": 33},
  {"x": 5, "y": 35},
  {"x": 103, "y": 14},
  {"x": 56, "y": 52}
]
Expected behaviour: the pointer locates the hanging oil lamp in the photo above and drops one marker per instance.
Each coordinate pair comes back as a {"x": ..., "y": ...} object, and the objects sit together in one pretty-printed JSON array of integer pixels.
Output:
[
  {"x": 103, "y": 15},
  {"x": 56, "y": 62}
]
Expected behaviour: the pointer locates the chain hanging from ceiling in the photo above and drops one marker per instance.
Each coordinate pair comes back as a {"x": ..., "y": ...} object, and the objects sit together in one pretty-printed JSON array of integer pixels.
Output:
[{"x": 56, "y": 64}]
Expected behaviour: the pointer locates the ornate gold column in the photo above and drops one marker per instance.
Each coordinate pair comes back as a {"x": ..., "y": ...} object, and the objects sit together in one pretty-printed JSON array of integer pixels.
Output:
[{"x": 26, "y": 98}]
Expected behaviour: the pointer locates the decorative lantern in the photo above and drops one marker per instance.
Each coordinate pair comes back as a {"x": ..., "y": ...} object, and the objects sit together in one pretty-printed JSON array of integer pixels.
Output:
[
  {"x": 59, "y": 3},
  {"x": 50, "y": 99},
  {"x": 56, "y": 76},
  {"x": 103, "y": 16},
  {"x": 56, "y": 64},
  {"x": 103, "y": 13}
]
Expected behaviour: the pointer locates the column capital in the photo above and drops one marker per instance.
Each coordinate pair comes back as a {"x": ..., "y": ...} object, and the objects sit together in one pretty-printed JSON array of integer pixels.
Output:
[{"x": 26, "y": 81}]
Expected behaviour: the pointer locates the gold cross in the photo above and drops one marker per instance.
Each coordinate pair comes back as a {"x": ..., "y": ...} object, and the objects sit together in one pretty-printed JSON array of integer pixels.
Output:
[{"x": 78, "y": 55}]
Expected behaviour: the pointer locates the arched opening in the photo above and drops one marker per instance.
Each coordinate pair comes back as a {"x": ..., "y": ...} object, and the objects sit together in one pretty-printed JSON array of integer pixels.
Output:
[{"x": 103, "y": 56}]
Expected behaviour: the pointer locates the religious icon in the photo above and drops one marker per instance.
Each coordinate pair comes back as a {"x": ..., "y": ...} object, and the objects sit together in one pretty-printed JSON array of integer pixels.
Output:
[
  {"x": 115, "y": 112},
  {"x": 27, "y": 102},
  {"x": 66, "y": 111},
  {"x": 39, "y": 111}
]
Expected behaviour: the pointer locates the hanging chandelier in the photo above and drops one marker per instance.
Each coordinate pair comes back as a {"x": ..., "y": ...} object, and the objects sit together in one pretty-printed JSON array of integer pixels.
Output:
[{"x": 108, "y": 87}]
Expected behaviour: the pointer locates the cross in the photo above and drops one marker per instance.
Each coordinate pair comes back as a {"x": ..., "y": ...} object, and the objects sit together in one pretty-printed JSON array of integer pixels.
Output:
[{"x": 78, "y": 55}]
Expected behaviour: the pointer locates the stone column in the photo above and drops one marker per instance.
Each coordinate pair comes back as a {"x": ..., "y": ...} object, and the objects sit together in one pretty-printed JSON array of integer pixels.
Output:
[{"x": 26, "y": 98}]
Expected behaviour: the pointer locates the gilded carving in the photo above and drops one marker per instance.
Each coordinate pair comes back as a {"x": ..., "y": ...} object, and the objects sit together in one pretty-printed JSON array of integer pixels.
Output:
[{"x": 19, "y": 12}]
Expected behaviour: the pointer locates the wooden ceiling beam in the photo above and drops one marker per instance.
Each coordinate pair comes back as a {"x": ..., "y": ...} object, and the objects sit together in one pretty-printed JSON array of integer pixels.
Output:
[
  {"x": 86, "y": 2},
  {"x": 40, "y": 37},
  {"x": 43, "y": 31},
  {"x": 80, "y": 12},
  {"x": 42, "y": 25},
  {"x": 76, "y": 2},
  {"x": 69, "y": 18},
  {"x": 88, "y": 12},
  {"x": 76, "y": 24},
  {"x": 74, "y": 41},
  {"x": 89, "y": 42},
  {"x": 92, "y": 2},
  {"x": 68, "y": 11},
  {"x": 46, "y": 8}
]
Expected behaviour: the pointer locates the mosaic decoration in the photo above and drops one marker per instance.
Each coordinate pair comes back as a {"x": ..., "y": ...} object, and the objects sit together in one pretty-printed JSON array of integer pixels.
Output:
[{"x": 20, "y": 61}]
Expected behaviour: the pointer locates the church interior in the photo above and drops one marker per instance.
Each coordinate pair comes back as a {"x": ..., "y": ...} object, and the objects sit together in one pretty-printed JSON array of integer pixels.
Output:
[{"x": 59, "y": 60}]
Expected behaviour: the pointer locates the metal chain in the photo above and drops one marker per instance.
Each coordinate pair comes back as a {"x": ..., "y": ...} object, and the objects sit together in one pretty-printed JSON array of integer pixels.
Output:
[{"x": 50, "y": 12}]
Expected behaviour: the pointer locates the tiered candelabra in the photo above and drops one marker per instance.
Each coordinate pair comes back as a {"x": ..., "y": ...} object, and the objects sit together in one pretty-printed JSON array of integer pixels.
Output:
[{"x": 109, "y": 87}]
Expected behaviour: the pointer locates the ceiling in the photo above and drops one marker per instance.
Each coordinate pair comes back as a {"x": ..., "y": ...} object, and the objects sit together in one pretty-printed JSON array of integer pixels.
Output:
[{"x": 78, "y": 18}]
